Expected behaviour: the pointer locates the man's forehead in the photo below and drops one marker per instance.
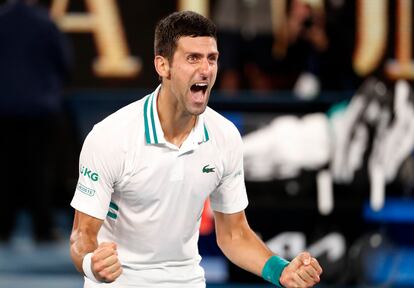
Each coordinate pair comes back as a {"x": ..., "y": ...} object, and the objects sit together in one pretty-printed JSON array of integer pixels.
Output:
[{"x": 199, "y": 42}]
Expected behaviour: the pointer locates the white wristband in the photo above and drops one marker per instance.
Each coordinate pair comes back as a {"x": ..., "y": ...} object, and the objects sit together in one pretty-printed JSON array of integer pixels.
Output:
[{"x": 87, "y": 268}]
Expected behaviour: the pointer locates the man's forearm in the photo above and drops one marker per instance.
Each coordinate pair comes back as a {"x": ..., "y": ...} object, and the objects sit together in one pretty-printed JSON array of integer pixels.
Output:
[
  {"x": 246, "y": 250},
  {"x": 81, "y": 244},
  {"x": 242, "y": 246},
  {"x": 83, "y": 238}
]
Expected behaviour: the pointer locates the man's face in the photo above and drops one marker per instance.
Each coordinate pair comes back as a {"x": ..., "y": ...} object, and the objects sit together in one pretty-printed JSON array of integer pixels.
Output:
[{"x": 193, "y": 71}]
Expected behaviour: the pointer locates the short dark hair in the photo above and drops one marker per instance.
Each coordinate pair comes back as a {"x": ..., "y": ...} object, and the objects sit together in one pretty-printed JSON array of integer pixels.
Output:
[{"x": 179, "y": 24}]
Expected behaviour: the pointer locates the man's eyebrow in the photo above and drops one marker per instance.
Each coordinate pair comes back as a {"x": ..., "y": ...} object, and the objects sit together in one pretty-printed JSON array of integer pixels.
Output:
[
  {"x": 194, "y": 53},
  {"x": 198, "y": 54}
]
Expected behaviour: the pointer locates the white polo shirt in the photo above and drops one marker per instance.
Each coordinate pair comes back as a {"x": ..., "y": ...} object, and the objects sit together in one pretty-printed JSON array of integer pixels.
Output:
[{"x": 151, "y": 193}]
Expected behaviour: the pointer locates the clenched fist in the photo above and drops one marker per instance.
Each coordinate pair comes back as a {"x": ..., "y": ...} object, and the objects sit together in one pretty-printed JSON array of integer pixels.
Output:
[
  {"x": 105, "y": 263},
  {"x": 302, "y": 272}
]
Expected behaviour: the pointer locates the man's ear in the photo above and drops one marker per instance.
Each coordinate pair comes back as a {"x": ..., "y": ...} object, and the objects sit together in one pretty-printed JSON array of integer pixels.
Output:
[{"x": 162, "y": 66}]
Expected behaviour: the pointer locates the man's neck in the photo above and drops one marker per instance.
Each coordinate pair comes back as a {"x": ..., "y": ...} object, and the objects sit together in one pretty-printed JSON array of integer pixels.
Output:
[{"x": 175, "y": 123}]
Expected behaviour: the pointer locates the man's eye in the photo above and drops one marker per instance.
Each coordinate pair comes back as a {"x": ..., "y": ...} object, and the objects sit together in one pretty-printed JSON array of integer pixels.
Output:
[
  {"x": 212, "y": 59},
  {"x": 192, "y": 58}
]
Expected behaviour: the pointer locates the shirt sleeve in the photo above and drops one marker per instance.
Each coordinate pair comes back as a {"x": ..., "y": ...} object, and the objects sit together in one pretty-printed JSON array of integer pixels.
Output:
[
  {"x": 99, "y": 168},
  {"x": 230, "y": 196}
]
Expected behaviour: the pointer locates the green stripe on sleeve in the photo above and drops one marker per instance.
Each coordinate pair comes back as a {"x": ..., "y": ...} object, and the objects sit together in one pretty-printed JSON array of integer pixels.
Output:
[
  {"x": 112, "y": 215},
  {"x": 113, "y": 206}
]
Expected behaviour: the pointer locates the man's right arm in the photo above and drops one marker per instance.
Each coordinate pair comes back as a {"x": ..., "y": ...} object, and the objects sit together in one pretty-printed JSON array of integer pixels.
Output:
[{"x": 105, "y": 264}]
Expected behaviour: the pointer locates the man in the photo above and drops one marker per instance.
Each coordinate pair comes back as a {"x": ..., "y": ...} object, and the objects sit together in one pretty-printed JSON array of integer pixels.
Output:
[
  {"x": 146, "y": 170},
  {"x": 35, "y": 62}
]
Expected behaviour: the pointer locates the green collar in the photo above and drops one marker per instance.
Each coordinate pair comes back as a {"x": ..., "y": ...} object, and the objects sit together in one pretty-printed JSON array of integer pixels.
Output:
[{"x": 153, "y": 130}]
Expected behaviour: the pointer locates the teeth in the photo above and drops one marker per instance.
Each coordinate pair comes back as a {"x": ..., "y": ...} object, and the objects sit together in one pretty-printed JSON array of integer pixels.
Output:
[{"x": 201, "y": 84}]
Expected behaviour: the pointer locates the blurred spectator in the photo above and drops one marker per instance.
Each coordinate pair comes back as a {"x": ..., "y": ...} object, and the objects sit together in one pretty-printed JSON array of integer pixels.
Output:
[
  {"x": 336, "y": 71},
  {"x": 34, "y": 62},
  {"x": 319, "y": 47},
  {"x": 245, "y": 41},
  {"x": 306, "y": 31},
  {"x": 247, "y": 37},
  {"x": 300, "y": 45}
]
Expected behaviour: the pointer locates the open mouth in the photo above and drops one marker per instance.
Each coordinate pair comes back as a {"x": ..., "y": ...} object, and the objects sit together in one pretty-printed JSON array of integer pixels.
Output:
[{"x": 199, "y": 87}]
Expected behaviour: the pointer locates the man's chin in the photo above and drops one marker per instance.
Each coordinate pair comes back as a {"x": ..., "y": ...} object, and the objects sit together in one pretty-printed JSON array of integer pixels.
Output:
[{"x": 197, "y": 109}]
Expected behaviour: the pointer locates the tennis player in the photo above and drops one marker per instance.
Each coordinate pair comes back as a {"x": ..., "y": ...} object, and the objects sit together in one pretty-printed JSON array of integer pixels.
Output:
[{"x": 146, "y": 171}]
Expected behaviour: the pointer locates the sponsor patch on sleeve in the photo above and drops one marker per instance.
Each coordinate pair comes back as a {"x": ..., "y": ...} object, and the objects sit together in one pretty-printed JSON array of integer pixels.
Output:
[
  {"x": 86, "y": 172},
  {"x": 85, "y": 190}
]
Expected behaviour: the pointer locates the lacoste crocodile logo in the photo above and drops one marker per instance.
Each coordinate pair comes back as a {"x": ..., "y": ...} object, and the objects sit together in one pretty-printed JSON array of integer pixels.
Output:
[{"x": 207, "y": 169}]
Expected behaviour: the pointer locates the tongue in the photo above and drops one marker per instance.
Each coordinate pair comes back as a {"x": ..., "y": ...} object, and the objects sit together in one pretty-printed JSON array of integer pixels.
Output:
[{"x": 197, "y": 93}]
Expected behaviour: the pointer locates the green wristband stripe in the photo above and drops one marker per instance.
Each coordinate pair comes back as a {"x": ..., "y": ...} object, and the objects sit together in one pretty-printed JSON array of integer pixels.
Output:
[{"x": 273, "y": 269}]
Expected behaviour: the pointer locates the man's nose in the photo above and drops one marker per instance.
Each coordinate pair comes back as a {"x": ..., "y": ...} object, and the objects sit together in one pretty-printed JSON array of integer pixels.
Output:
[{"x": 205, "y": 67}]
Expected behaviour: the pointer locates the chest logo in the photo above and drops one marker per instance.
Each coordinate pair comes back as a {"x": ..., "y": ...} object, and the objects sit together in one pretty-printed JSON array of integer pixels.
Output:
[{"x": 207, "y": 169}]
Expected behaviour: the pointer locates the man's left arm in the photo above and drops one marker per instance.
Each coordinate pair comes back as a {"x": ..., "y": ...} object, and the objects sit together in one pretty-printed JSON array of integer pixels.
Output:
[
  {"x": 245, "y": 249},
  {"x": 239, "y": 243}
]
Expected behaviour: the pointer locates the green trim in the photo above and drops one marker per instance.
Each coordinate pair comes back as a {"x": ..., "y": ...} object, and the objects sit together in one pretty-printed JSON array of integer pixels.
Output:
[
  {"x": 153, "y": 121},
  {"x": 112, "y": 215},
  {"x": 147, "y": 136},
  {"x": 273, "y": 269},
  {"x": 206, "y": 133},
  {"x": 113, "y": 206}
]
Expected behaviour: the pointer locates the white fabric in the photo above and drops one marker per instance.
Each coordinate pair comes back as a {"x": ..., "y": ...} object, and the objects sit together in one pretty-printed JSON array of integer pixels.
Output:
[
  {"x": 151, "y": 193},
  {"x": 87, "y": 268}
]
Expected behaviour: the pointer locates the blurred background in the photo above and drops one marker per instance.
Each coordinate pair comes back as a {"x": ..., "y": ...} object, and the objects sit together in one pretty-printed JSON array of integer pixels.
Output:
[{"x": 321, "y": 91}]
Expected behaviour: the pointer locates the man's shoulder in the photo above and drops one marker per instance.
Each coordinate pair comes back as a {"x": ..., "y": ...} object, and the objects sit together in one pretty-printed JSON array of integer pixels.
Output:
[
  {"x": 132, "y": 112},
  {"x": 118, "y": 129},
  {"x": 219, "y": 125},
  {"x": 121, "y": 124}
]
